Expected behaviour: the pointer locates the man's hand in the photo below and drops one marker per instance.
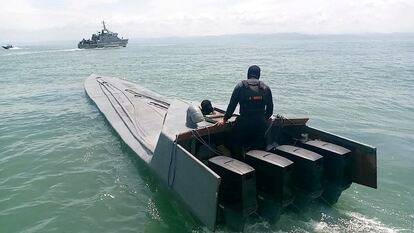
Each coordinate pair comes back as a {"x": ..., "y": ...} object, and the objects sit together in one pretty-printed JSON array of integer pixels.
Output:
[{"x": 221, "y": 122}]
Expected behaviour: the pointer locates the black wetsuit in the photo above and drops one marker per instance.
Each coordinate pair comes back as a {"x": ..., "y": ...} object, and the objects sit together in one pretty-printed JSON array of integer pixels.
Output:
[{"x": 256, "y": 106}]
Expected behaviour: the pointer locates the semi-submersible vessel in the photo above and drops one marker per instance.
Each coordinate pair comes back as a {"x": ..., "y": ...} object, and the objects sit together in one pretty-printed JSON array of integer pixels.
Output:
[{"x": 190, "y": 154}]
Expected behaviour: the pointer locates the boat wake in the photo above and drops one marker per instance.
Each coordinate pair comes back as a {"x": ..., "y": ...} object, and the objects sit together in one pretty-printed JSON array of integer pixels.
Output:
[
  {"x": 66, "y": 50},
  {"x": 325, "y": 223},
  {"x": 40, "y": 51},
  {"x": 351, "y": 222}
]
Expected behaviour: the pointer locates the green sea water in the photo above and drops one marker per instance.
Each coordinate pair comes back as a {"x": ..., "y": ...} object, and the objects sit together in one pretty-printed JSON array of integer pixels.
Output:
[{"x": 64, "y": 169}]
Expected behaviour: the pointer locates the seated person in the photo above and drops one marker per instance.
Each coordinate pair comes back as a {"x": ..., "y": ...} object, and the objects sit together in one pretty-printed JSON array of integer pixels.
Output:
[
  {"x": 207, "y": 108},
  {"x": 210, "y": 115}
]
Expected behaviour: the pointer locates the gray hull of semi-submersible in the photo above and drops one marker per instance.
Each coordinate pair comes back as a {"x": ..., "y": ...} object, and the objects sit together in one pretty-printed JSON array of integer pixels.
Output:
[
  {"x": 157, "y": 129},
  {"x": 149, "y": 123}
]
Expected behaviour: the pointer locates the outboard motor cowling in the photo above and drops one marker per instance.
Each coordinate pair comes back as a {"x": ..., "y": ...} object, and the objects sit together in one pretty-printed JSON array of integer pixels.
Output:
[
  {"x": 273, "y": 175},
  {"x": 337, "y": 167},
  {"x": 274, "y": 179},
  {"x": 237, "y": 192},
  {"x": 308, "y": 172}
]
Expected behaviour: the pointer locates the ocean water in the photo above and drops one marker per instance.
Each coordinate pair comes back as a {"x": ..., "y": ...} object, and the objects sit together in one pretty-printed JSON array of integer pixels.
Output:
[{"x": 64, "y": 169}]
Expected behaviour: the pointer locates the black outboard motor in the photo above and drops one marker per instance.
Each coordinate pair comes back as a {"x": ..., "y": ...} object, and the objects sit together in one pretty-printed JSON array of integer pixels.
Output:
[
  {"x": 307, "y": 174},
  {"x": 237, "y": 193},
  {"x": 274, "y": 175},
  {"x": 337, "y": 168}
]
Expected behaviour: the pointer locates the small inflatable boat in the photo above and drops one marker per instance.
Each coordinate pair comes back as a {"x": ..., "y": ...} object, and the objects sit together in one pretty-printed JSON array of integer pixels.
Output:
[{"x": 196, "y": 158}]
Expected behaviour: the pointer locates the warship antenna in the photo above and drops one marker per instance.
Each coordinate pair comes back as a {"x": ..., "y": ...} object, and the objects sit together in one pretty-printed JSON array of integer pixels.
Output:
[{"x": 103, "y": 22}]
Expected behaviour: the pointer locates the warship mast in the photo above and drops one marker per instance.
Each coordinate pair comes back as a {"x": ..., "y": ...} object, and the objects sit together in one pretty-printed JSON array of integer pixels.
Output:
[{"x": 104, "y": 27}]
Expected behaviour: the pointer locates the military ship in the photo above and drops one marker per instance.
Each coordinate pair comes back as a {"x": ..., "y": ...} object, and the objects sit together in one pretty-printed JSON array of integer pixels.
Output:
[{"x": 103, "y": 39}]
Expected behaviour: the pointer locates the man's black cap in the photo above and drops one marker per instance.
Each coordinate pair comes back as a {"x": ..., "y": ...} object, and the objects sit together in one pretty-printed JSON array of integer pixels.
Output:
[
  {"x": 206, "y": 107},
  {"x": 253, "y": 72}
]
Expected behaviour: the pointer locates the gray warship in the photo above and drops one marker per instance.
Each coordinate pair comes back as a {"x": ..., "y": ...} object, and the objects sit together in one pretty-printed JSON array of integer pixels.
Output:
[{"x": 103, "y": 39}]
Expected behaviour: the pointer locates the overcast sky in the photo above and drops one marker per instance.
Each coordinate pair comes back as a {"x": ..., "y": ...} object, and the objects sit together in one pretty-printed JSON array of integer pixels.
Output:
[{"x": 44, "y": 20}]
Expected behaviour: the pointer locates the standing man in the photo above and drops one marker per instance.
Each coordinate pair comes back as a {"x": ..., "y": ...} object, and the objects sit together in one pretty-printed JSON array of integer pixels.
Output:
[{"x": 256, "y": 107}]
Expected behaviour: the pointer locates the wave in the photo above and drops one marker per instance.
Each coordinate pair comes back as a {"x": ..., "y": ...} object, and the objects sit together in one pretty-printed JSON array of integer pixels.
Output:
[
  {"x": 351, "y": 222},
  {"x": 40, "y": 51}
]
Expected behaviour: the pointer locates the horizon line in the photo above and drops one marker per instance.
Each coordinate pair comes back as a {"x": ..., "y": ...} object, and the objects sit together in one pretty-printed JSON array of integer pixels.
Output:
[{"x": 301, "y": 34}]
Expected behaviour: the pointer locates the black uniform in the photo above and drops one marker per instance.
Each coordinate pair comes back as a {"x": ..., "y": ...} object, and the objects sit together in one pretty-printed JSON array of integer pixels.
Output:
[{"x": 256, "y": 106}]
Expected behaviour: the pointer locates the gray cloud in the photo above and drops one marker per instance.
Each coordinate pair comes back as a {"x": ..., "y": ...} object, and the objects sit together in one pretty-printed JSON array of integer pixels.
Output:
[{"x": 69, "y": 19}]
